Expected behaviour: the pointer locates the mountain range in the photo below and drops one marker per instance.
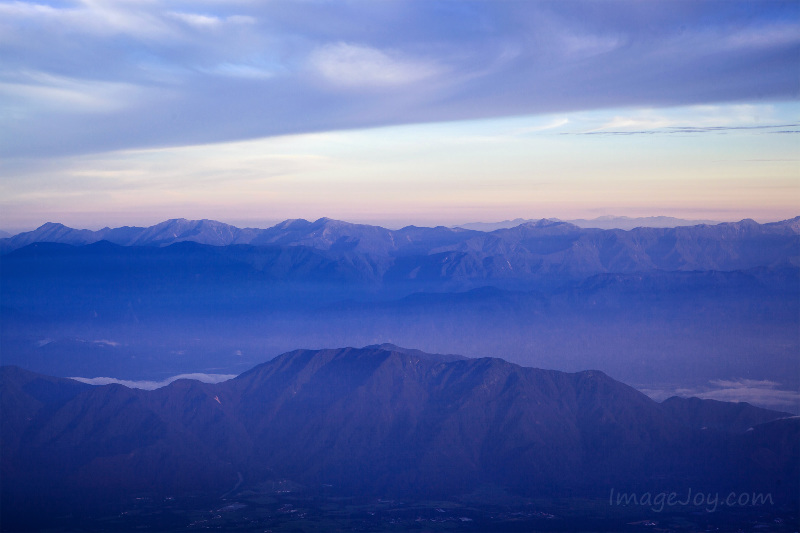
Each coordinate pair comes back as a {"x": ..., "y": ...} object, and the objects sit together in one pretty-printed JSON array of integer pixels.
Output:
[
  {"x": 543, "y": 247},
  {"x": 380, "y": 421},
  {"x": 219, "y": 233},
  {"x": 666, "y": 309},
  {"x": 326, "y": 233},
  {"x": 603, "y": 222}
]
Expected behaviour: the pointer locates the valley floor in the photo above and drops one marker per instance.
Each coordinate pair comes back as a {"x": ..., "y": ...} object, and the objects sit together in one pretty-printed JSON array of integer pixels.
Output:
[{"x": 492, "y": 510}]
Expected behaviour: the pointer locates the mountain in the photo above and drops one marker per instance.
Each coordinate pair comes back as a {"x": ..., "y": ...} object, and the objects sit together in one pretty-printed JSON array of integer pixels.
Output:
[
  {"x": 379, "y": 421},
  {"x": 539, "y": 238},
  {"x": 167, "y": 232},
  {"x": 628, "y": 223},
  {"x": 525, "y": 257},
  {"x": 323, "y": 234},
  {"x": 716, "y": 415},
  {"x": 492, "y": 226},
  {"x": 660, "y": 308},
  {"x": 604, "y": 222},
  {"x": 547, "y": 247}
]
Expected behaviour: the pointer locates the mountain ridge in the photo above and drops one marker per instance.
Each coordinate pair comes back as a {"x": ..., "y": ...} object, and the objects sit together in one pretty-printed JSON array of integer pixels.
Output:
[
  {"x": 380, "y": 421},
  {"x": 602, "y": 222},
  {"x": 436, "y": 254},
  {"x": 323, "y": 233}
]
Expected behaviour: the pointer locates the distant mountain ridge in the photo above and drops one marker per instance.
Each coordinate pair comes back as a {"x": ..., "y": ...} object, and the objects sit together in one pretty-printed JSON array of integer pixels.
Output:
[
  {"x": 382, "y": 420},
  {"x": 324, "y": 233},
  {"x": 543, "y": 293},
  {"x": 603, "y": 222},
  {"x": 540, "y": 247}
]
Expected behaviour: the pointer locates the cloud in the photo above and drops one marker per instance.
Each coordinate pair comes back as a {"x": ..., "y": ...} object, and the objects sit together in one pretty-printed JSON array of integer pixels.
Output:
[
  {"x": 745, "y": 383},
  {"x": 554, "y": 124},
  {"x": 201, "y": 21},
  {"x": 43, "y": 93},
  {"x": 757, "y": 392},
  {"x": 689, "y": 120},
  {"x": 357, "y": 66},
  {"x": 763, "y": 393},
  {"x": 152, "y": 385},
  {"x": 655, "y": 128},
  {"x": 194, "y": 19},
  {"x": 90, "y": 17},
  {"x": 128, "y": 74},
  {"x": 767, "y": 36},
  {"x": 104, "y": 342},
  {"x": 239, "y": 71},
  {"x": 586, "y": 46}
]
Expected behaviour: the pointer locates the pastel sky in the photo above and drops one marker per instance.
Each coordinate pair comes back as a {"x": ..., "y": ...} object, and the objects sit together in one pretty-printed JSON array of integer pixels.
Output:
[{"x": 120, "y": 112}]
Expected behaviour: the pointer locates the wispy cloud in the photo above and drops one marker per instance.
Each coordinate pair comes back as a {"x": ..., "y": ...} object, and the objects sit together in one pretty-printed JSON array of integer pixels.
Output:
[
  {"x": 139, "y": 74},
  {"x": 655, "y": 129},
  {"x": 105, "y": 342},
  {"x": 554, "y": 124},
  {"x": 359, "y": 66},
  {"x": 240, "y": 71},
  {"x": 202, "y": 21},
  {"x": 64, "y": 95},
  {"x": 778, "y": 34},
  {"x": 691, "y": 120}
]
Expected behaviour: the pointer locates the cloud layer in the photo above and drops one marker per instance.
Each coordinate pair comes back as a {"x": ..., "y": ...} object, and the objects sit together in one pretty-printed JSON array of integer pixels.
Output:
[
  {"x": 83, "y": 76},
  {"x": 152, "y": 385},
  {"x": 763, "y": 393}
]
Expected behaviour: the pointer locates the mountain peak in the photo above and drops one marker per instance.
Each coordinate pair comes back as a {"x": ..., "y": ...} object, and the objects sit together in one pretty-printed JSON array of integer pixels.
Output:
[
  {"x": 292, "y": 224},
  {"x": 544, "y": 222},
  {"x": 50, "y": 225},
  {"x": 370, "y": 421},
  {"x": 389, "y": 347}
]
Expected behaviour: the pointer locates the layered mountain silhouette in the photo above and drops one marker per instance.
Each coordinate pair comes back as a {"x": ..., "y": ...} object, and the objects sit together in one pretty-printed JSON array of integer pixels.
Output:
[
  {"x": 381, "y": 421},
  {"x": 532, "y": 246},
  {"x": 657, "y": 307},
  {"x": 221, "y": 234},
  {"x": 511, "y": 255}
]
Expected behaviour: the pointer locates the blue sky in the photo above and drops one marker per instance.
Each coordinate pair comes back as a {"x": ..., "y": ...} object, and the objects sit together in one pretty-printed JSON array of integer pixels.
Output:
[{"x": 428, "y": 112}]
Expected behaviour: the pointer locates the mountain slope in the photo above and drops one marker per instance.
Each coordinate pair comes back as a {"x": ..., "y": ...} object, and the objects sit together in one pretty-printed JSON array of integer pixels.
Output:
[{"x": 383, "y": 421}]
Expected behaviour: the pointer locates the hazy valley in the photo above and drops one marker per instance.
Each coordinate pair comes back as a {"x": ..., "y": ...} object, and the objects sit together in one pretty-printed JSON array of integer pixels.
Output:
[{"x": 698, "y": 309}]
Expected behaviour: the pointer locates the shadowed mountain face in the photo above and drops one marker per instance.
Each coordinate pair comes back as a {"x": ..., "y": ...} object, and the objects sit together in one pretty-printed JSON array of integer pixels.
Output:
[{"x": 381, "y": 421}]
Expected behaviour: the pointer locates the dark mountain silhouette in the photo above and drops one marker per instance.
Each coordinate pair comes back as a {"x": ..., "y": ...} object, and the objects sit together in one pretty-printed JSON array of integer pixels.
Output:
[
  {"x": 715, "y": 415},
  {"x": 381, "y": 420}
]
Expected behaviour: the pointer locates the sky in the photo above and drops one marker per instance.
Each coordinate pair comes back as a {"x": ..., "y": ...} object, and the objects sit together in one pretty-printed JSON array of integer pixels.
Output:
[{"x": 130, "y": 112}]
